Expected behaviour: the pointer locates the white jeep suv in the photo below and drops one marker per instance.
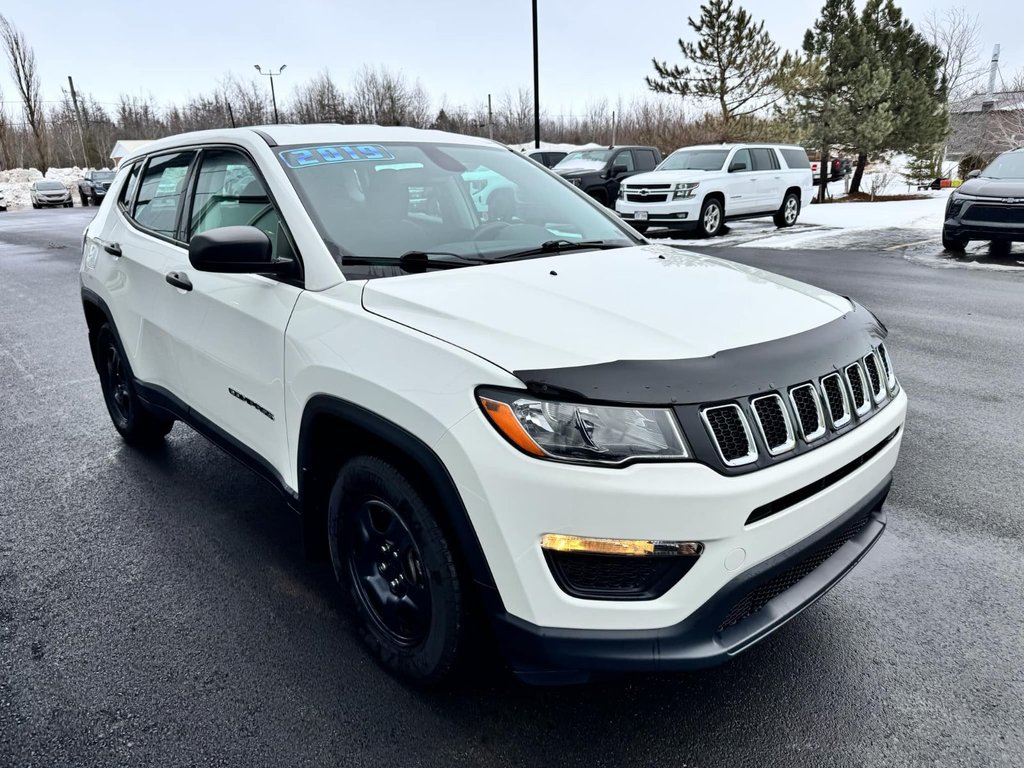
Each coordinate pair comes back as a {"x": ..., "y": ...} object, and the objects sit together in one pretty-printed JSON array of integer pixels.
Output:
[
  {"x": 700, "y": 188},
  {"x": 623, "y": 456}
]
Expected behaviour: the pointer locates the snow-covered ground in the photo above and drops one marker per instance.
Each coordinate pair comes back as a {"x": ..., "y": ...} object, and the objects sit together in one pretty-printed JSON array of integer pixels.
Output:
[{"x": 14, "y": 184}]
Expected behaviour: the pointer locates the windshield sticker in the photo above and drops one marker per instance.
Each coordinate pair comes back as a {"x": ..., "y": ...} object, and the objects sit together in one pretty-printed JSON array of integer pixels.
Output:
[{"x": 335, "y": 153}]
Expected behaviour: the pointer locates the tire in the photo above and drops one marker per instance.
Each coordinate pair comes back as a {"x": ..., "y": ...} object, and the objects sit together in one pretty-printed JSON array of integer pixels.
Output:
[
  {"x": 953, "y": 244},
  {"x": 36, "y": 206},
  {"x": 788, "y": 213},
  {"x": 94, "y": 201},
  {"x": 136, "y": 423},
  {"x": 70, "y": 204},
  {"x": 84, "y": 199},
  {"x": 712, "y": 217},
  {"x": 641, "y": 228},
  {"x": 391, "y": 558},
  {"x": 600, "y": 195}
]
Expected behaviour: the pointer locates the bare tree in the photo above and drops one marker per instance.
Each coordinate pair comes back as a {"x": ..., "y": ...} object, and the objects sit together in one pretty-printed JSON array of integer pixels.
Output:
[
  {"x": 320, "y": 101},
  {"x": 6, "y": 136},
  {"x": 957, "y": 35},
  {"x": 22, "y": 60}
]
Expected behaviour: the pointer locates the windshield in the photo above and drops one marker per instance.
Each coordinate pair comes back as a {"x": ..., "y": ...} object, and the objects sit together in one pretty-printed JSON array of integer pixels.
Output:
[
  {"x": 695, "y": 160},
  {"x": 49, "y": 186},
  {"x": 460, "y": 201},
  {"x": 1007, "y": 166},
  {"x": 103, "y": 175}
]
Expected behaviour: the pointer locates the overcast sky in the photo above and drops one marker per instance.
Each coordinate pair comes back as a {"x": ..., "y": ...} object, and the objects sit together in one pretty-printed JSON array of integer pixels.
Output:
[{"x": 459, "y": 49}]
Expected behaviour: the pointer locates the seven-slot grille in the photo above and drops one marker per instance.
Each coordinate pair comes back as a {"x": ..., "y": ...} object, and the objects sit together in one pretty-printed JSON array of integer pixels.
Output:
[
  {"x": 814, "y": 408},
  {"x": 731, "y": 434}
]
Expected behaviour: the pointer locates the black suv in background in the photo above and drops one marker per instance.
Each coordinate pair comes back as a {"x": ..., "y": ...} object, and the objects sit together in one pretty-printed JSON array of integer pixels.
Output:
[
  {"x": 94, "y": 186},
  {"x": 599, "y": 172},
  {"x": 988, "y": 206}
]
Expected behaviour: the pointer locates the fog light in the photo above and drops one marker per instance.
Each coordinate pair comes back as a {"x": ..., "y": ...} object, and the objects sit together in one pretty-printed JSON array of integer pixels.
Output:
[
  {"x": 682, "y": 215},
  {"x": 560, "y": 542}
]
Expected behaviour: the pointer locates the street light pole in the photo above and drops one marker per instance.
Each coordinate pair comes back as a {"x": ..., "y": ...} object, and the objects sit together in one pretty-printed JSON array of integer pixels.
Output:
[
  {"x": 273, "y": 96},
  {"x": 536, "y": 84}
]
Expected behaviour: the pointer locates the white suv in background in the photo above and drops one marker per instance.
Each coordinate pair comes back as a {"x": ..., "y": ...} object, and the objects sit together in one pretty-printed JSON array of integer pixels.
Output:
[
  {"x": 625, "y": 456},
  {"x": 700, "y": 188}
]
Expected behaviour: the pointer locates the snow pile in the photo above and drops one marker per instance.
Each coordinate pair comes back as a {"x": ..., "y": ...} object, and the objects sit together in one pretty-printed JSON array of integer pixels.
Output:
[
  {"x": 547, "y": 146},
  {"x": 15, "y": 183}
]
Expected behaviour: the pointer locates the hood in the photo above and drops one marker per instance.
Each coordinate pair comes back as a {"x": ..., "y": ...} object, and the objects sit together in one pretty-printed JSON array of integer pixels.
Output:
[
  {"x": 643, "y": 303},
  {"x": 665, "y": 177},
  {"x": 983, "y": 187},
  {"x": 578, "y": 166}
]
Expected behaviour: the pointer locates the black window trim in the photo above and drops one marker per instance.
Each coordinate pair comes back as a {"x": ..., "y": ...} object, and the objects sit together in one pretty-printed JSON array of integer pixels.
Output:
[
  {"x": 180, "y": 229},
  {"x": 145, "y": 163},
  {"x": 135, "y": 192}
]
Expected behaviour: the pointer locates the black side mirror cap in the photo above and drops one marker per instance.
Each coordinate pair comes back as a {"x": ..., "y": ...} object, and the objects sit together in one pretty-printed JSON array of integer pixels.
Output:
[
  {"x": 737, "y": 167},
  {"x": 617, "y": 169},
  {"x": 236, "y": 250},
  {"x": 974, "y": 174}
]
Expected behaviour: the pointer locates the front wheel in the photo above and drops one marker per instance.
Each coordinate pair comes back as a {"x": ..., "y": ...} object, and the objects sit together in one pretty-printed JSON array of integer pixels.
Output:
[
  {"x": 787, "y": 214},
  {"x": 396, "y": 571},
  {"x": 85, "y": 200},
  {"x": 953, "y": 244},
  {"x": 641, "y": 228},
  {"x": 136, "y": 423},
  {"x": 712, "y": 217}
]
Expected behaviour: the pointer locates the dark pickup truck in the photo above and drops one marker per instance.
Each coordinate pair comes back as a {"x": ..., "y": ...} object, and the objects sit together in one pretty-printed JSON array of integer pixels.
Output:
[
  {"x": 599, "y": 172},
  {"x": 93, "y": 186}
]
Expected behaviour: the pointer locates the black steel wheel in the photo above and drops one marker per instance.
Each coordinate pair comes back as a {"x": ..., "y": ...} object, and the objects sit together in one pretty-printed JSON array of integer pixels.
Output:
[
  {"x": 953, "y": 244},
  {"x": 396, "y": 570},
  {"x": 136, "y": 423}
]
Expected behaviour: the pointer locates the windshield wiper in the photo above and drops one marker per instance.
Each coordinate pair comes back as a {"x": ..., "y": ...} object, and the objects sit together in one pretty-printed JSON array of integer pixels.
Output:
[
  {"x": 416, "y": 261},
  {"x": 560, "y": 246}
]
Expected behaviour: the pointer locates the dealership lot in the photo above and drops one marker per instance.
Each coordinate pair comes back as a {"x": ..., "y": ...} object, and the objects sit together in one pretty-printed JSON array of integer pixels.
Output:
[{"x": 156, "y": 609}]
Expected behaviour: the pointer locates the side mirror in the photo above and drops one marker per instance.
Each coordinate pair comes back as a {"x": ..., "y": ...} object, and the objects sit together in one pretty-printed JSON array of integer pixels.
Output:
[
  {"x": 974, "y": 174},
  {"x": 737, "y": 166},
  {"x": 235, "y": 250},
  {"x": 618, "y": 170}
]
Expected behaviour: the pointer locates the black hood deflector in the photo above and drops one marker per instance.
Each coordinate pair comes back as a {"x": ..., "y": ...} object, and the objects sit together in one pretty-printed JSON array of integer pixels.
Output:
[{"x": 728, "y": 374}]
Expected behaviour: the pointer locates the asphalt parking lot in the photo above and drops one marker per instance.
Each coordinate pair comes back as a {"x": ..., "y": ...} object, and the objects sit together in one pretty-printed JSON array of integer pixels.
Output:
[{"x": 156, "y": 609}]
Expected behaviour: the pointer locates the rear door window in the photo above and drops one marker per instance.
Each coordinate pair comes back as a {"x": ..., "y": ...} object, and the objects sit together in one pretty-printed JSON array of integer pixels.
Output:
[
  {"x": 764, "y": 159},
  {"x": 645, "y": 160},
  {"x": 163, "y": 184}
]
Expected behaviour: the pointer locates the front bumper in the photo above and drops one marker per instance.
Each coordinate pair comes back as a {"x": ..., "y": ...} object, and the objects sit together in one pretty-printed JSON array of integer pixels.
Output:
[
  {"x": 720, "y": 629},
  {"x": 675, "y": 214}
]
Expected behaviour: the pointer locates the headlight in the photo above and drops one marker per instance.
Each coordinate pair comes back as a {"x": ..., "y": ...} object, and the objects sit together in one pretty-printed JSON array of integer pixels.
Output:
[
  {"x": 588, "y": 434},
  {"x": 622, "y": 193},
  {"x": 685, "y": 190}
]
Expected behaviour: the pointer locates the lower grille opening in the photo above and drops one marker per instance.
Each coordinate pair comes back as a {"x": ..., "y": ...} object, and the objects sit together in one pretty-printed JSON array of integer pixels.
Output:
[
  {"x": 801, "y": 494},
  {"x": 761, "y": 595},
  {"x": 617, "y": 577}
]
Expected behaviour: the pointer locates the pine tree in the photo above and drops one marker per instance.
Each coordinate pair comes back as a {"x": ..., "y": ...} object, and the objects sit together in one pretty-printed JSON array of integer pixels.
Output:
[
  {"x": 734, "y": 61},
  {"x": 823, "y": 86},
  {"x": 914, "y": 97}
]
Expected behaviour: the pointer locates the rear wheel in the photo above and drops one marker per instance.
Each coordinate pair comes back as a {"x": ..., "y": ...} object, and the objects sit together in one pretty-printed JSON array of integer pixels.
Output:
[
  {"x": 712, "y": 217},
  {"x": 953, "y": 244},
  {"x": 136, "y": 423},
  {"x": 396, "y": 570},
  {"x": 787, "y": 214}
]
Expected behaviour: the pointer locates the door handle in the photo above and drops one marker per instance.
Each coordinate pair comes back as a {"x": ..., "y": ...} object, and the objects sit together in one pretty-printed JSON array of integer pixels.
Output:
[
  {"x": 179, "y": 280},
  {"x": 113, "y": 249}
]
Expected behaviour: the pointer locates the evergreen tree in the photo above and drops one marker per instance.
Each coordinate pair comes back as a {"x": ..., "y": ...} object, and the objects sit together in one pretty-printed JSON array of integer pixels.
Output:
[
  {"x": 824, "y": 85},
  {"x": 908, "y": 88},
  {"x": 734, "y": 61}
]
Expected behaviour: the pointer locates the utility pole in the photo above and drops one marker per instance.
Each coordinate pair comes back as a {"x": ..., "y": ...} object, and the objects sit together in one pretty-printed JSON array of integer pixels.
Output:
[
  {"x": 490, "y": 119},
  {"x": 78, "y": 120},
  {"x": 271, "y": 74},
  {"x": 536, "y": 83},
  {"x": 231, "y": 114},
  {"x": 614, "y": 126}
]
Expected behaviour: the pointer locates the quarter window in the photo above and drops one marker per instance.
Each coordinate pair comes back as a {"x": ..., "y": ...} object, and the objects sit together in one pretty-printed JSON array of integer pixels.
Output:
[
  {"x": 163, "y": 184},
  {"x": 128, "y": 190}
]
